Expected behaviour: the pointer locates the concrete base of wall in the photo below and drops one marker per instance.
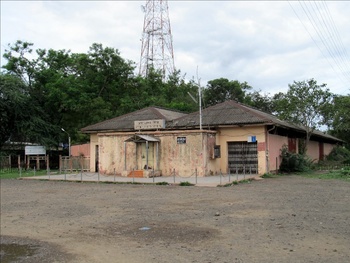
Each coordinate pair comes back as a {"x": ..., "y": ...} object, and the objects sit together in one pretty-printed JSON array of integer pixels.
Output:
[{"x": 142, "y": 173}]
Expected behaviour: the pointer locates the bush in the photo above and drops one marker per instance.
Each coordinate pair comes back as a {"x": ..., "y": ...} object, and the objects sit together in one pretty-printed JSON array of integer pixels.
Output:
[
  {"x": 345, "y": 171},
  {"x": 294, "y": 162},
  {"x": 186, "y": 184},
  {"x": 339, "y": 154},
  {"x": 162, "y": 183}
]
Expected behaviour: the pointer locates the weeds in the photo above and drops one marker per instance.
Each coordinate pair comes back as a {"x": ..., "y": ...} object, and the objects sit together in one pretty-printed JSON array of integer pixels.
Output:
[
  {"x": 246, "y": 181},
  {"x": 186, "y": 184},
  {"x": 162, "y": 183}
]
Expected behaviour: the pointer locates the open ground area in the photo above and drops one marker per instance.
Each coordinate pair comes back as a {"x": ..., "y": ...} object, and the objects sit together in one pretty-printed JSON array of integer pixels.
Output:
[{"x": 285, "y": 219}]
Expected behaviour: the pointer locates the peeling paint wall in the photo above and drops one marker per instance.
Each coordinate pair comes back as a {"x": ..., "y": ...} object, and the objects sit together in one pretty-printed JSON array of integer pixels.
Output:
[{"x": 185, "y": 158}]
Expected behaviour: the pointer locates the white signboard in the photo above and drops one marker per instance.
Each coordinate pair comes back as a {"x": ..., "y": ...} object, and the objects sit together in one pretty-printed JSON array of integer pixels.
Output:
[
  {"x": 35, "y": 150},
  {"x": 149, "y": 125}
]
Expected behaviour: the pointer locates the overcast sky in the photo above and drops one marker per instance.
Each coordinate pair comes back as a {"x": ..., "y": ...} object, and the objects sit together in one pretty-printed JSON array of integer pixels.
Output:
[{"x": 269, "y": 44}]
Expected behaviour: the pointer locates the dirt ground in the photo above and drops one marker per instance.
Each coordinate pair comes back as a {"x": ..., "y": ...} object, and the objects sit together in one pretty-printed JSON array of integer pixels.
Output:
[{"x": 285, "y": 219}]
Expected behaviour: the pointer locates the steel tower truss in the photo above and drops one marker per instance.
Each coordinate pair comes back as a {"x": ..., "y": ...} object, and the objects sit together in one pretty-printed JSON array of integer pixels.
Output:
[{"x": 157, "y": 43}]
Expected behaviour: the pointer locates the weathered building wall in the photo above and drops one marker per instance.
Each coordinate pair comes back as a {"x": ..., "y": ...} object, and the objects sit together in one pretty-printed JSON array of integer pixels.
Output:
[
  {"x": 185, "y": 158},
  {"x": 238, "y": 134},
  {"x": 275, "y": 144}
]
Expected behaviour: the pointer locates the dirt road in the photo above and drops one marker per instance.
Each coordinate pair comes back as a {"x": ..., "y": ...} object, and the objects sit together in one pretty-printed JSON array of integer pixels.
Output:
[{"x": 287, "y": 219}]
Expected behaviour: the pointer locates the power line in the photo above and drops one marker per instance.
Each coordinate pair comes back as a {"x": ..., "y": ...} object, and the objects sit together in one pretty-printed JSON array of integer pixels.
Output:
[{"x": 323, "y": 24}]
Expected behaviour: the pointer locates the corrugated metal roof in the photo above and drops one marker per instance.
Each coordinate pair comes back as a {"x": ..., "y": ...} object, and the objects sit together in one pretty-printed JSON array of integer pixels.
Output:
[{"x": 142, "y": 138}]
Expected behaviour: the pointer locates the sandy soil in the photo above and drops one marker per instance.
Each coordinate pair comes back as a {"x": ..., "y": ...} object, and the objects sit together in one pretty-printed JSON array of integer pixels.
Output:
[{"x": 287, "y": 219}]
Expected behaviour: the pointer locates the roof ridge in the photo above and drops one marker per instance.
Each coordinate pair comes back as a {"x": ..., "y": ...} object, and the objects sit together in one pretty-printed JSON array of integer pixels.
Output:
[{"x": 115, "y": 118}]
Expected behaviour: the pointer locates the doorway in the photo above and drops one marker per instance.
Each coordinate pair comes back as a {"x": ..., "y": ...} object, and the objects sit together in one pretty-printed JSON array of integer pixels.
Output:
[
  {"x": 147, "y": 155},
  {"x": 243, "y": 157}
]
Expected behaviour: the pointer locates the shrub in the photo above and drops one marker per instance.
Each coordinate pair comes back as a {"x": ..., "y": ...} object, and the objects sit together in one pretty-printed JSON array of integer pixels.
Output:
[
  {"x": 162, "y": 183},
  {"x": 294, "y": 162},
  {"x": 345, "y": 171},
  {"x": 186, "y": 184},
  {"x": 339, "y": 154}
]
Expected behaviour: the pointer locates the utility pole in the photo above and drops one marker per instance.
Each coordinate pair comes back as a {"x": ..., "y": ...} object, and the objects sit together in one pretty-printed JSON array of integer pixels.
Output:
[{"x": 157, "y": 43}]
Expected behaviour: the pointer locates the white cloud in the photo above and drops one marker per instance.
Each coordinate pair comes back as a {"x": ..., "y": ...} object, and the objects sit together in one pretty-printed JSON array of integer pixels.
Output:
[{"x": 261, "y": 42}]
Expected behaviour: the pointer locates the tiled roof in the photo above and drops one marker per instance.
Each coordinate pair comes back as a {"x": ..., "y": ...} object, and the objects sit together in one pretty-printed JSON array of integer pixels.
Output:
[
  {"x": 228, "y": 113},
  {"x": 126, "y": 122},
  {"x": 234, "y": 113}
]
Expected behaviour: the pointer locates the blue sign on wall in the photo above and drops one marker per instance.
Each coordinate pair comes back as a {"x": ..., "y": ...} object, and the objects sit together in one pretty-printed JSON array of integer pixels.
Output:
[{"x": 251, "y": 138}]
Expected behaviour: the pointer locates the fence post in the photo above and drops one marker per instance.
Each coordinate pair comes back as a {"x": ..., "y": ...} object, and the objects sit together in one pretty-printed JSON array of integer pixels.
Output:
[
  {"x": 98, "y": 175},
  {"x": 19, "y": 161},
  {"x": 229, "y": 177},
  {"x": 9, "y": 163},
  {"x": 60, "y": 162},
  {"x": 174, "y": 175},
  {"x": 70, "y": 163},
  {"x": 220, "y": 176},
  {"x": 114, "y": 174},
  {"x": 81, "y": 175},
  {"x": 34, "y": 170},
  {"x": 244, "y": 172},
  {"x": 237, "y": 173},
  {"x": 47, "y": 165},
  {"x": 153, "y": 174}
]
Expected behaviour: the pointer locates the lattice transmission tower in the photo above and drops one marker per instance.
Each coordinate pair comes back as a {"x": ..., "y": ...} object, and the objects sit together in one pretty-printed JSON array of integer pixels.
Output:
[{"x": 157, "y": 43}]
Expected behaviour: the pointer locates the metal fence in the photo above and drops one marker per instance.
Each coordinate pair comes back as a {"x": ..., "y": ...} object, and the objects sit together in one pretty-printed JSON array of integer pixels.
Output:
[
  {"x": 175, "y": 178},
  {"x": 74, "y": 163}
]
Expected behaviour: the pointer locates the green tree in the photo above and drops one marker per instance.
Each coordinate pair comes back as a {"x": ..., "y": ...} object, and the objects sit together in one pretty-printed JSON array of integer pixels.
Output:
[
  {"x": 72, "y": 89},
  {"x": 220, "y": 90},
  {"x": 21, "y": 118},
  {"x": 304, "y": 104},
  {"x": 339, "y": 118},
  {"x": 261, "y": 102}
]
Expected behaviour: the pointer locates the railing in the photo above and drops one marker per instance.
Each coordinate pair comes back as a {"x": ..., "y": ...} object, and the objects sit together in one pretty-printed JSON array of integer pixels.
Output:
[{"x": 74, "y": 163}]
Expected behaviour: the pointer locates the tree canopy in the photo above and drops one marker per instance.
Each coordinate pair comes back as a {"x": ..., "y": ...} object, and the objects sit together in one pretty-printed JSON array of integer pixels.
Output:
[
  {"x": 339, "y": 118},
  {"x": 73, "y": 90},
  {"x": 304, "y": 103},
  {"x": 220, "y": 90},
  {"x": 43, "y": 91}
]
